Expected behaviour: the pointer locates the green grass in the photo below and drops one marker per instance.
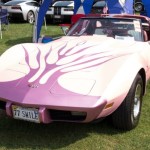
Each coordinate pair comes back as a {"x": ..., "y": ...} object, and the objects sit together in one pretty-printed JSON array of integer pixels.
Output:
[
  {"x": 20, "y": 135},
  {"x": 23, "y": 33}
]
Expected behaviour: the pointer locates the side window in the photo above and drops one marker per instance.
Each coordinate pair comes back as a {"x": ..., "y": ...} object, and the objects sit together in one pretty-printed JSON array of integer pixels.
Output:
[{"x": 33, "y": 4}]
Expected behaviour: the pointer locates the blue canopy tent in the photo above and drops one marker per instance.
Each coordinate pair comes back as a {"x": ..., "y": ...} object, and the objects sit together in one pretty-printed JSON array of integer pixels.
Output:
[
  {"x": 147, "y": 6},
  {"x": 120, "y": 6},
  {"x": 86, "y": 4},
  {"x": 114, "y": 6},
  {"x": 40, "y": 19}
]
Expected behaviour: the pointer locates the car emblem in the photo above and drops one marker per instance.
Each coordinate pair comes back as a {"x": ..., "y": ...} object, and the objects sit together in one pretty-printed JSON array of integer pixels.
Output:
[{"x": 32, "y": 85}]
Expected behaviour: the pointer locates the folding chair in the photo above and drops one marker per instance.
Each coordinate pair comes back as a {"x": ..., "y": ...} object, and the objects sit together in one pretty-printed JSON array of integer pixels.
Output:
[{"x": 3, "y": 20}]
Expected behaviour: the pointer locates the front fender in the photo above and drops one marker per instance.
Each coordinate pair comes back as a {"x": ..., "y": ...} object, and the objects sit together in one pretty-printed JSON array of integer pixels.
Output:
[{"x": 119, "y": 86}]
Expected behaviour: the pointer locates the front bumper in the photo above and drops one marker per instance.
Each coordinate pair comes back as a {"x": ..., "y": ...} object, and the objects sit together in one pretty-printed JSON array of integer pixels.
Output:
[
  {"x": 66, "y": 106},
  {"x": 50, "y": 113}
]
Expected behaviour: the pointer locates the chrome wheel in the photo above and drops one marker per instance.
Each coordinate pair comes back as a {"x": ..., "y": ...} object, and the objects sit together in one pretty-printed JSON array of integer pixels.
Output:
[
  {"x": 127, "y": 115},
  {"x": 137, "y": 101},
  {"x": 138, "y": 7},
  {"x": 31, "y": 17}
]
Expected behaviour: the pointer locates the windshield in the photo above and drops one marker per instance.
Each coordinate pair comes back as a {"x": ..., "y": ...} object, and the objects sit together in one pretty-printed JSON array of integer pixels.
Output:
[
  {"x": 117, "y": 28},
  {"x": 14, "y": 2}
]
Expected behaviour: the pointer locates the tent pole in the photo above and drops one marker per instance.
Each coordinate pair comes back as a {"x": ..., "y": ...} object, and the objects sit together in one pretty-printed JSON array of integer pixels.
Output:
[{"x": 45, "y": 23}]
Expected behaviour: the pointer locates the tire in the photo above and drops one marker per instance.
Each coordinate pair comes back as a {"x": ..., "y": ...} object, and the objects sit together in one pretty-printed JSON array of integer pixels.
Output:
[
  {"x": 30, "y": 17},
  {"x": 138, "y": 7},
  {"x": 126, "y": 117}
]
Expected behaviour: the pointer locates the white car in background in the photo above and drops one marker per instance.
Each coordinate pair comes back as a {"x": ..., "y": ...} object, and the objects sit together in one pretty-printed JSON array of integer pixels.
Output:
[
  {"x": 61, "y": 10},
  {"x": 22, "y": 9}
]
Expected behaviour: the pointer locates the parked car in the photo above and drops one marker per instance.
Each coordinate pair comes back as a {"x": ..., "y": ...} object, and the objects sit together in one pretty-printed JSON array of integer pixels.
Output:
[
  {"x": 99, "y": 69},
  {"x": 61, "y": 10},
  {"x": 22, "y": 9}
]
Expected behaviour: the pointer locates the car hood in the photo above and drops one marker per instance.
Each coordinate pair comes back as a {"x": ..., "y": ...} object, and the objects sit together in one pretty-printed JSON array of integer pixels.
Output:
[{"x": 68, "y": 66}]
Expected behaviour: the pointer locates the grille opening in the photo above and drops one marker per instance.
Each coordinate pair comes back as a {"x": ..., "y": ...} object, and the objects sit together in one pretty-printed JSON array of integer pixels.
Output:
[
  {"x": 57, "y": 10},
  {"x": 67, "y": 115},
  {"x": 2, "y": 105}
]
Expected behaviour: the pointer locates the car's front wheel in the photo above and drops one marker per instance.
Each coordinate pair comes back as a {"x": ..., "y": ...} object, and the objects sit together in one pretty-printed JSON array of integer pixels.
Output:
[
  {"x": 127, "y": 116},
  {"x": 30, "y": 17}
]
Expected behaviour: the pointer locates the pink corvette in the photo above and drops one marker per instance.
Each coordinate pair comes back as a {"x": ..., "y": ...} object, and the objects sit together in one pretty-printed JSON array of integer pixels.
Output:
[{"x": 100, "y": 68}]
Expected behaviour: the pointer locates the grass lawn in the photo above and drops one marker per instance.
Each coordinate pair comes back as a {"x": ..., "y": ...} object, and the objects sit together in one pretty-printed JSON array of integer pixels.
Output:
[{"x": 20, "y": 135}]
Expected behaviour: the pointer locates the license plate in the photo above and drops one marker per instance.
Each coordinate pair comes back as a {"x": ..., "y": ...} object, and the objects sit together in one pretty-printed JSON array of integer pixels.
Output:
[
  {"x": 28, "y": 114},
  {"x": 57, "y": 16}
]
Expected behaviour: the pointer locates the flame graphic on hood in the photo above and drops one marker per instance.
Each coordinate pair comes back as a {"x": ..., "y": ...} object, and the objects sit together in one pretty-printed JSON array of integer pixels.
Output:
[{"x": 63, "y": 59}]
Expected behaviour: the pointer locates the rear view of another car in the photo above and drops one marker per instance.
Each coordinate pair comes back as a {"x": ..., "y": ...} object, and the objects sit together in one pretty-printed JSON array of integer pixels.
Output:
[
  {"x": 61, "y": 10},
  {"x": 22, "y": 9}
]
